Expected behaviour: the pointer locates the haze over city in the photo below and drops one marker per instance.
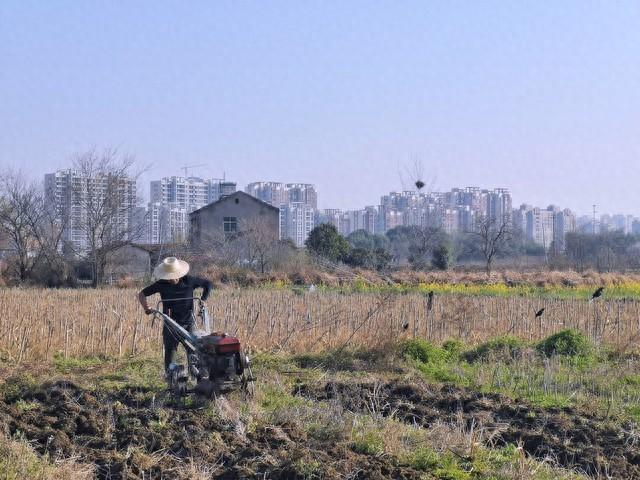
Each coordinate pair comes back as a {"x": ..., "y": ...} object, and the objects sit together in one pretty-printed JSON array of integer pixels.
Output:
[{"x": 543, "y": 101}]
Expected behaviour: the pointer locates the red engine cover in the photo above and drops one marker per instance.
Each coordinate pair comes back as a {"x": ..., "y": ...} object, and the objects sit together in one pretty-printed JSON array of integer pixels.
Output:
[
  {"x": 220, "y": 343},
  {"x": 228, "y": 345}
]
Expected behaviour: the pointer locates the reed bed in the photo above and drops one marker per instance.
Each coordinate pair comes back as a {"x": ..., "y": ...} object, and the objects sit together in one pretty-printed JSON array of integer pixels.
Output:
[{"x": 37, "y": 324}]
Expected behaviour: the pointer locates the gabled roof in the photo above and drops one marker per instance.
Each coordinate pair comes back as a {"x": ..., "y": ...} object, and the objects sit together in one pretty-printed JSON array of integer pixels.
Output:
[{"x": 237, "y": 194}]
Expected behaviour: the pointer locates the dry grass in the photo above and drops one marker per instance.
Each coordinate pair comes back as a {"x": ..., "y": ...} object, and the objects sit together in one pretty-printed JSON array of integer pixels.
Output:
[
  {"x": 305, "y": 273},
  {"x": 36, "y": 324},
  {"x": 18, "y": 460}
]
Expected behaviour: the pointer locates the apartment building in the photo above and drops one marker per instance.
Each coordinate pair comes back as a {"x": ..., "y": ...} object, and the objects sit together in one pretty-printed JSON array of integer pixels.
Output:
[
  {"x": 297, "y": 219},
  {"x": 172, "y": 199},
  {"x": 78, "y": 199}
]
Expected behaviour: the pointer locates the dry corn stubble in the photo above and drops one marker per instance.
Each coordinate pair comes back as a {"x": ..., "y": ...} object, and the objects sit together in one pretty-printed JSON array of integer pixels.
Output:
[{"x": 38, "y": 323}]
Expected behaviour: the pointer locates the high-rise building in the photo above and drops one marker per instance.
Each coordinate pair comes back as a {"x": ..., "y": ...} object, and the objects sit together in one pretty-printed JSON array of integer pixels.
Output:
[
  {"x": 278, "y": 194},
  {"x": 329, "y": 215},
  {"x": 623, "y": 223},
  {"x": 454, "y": 211},
  {"x": 274, "y": 193},
  {"x": 564, "y": 222},
  {"x": 297, "y": 219},
  {"x": 173, "y": 198},
  {"x": 498, "y": 204},
  {"x": 190, "y": 193},
  {"x": 290, "y": 198},
  {"x": 77, "y": 198}
]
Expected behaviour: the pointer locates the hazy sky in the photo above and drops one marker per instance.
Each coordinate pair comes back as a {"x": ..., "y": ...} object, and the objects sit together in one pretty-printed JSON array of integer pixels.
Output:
[{"x": 542, "y": 97}]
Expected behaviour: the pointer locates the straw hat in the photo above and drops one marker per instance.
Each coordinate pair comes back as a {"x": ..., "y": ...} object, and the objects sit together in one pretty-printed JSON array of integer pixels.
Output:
[{"x": 170, "y": 269}]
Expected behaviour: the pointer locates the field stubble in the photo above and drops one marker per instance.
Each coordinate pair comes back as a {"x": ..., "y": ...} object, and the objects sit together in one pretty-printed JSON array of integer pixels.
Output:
[{"x": 37, "y": 324}]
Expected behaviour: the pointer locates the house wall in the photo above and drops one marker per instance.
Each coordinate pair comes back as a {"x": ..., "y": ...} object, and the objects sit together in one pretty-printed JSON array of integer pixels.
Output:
[
  {"x": 128, "y": 261},
  {"x": 207, "y": 224}
]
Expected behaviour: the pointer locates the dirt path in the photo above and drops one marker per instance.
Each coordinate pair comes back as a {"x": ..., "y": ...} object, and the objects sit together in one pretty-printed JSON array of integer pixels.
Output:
[{"x": 571, "y": 437}]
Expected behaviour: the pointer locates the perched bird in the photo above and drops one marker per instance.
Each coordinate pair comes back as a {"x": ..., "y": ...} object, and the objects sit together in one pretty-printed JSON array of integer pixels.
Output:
[
  {"x": 430, "y": 300},
  {"x": 405, "y": 326},
  {"x": 597, "y": 293},
  {"x": 539, "y": 313}
]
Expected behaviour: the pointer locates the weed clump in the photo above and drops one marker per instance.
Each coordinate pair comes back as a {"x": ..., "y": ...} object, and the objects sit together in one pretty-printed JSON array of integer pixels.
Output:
[
  {"x": 504, "y": 348},
  {"x": 424, "y": 351},
  {"x": 569, "y": 343},
  {"x": 454, "y": 348},
  {"x": 436, "y": 363},
  {"x": 369, "y": 442}
]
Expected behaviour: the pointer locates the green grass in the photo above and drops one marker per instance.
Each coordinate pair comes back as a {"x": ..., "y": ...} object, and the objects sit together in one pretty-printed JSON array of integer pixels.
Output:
[
  {"x": 500, "y": 463},
  {"x": 277, "y": 398},
  {"x": 562, "y": 370},
  {"x": 368, "y": 442},
  {"x": 137, "y": 373},
  {"x": 75, "y": 364}
]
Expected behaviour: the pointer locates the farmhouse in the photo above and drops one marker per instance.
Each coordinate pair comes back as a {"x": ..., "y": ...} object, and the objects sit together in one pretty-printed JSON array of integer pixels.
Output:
[{"x": 230, "y": 217}]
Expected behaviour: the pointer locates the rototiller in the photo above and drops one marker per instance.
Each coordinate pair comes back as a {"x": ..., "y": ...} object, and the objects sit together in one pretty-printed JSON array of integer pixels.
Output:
[{"x": 216, "y": 362}]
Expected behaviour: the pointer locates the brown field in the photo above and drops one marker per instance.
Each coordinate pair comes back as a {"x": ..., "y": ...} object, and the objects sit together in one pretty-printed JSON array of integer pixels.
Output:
[{"x": 38, "y": 323}]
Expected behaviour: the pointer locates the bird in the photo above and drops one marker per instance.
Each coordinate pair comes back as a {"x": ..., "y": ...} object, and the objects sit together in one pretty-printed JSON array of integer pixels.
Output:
[
  {"x": 539, "y": 313},
  {"x": 419, "y": 184},
  {"x": 405, "y": 325},
  {"x": 597, "y": 293},
  {"x": 430, "y": 301}
]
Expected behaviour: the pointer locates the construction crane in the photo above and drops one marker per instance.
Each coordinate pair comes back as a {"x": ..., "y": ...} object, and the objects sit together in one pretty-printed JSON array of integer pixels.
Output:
[{"x": 186, "y": 168}]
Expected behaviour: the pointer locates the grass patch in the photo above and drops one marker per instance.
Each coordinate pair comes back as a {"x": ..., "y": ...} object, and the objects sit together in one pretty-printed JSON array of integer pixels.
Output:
[
  {"x": 144, "y": 374},
  {"x": 563, "y": 370},
  {"x": 505, "y": 348},
  {"x": 368, "y": 442},
  {"x": 273, "y": 398},
  {"x": 75, "y": 364},
  {"x": 424, "y": 351},
  {"x": 18, "y": 386},
  {"x": 569, "y": 343}
]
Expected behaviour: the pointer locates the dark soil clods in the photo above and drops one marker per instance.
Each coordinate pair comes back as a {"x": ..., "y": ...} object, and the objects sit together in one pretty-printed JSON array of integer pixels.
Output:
[
  {"x": 126, "y": 436},
  {"x": 573, "y": 438}
]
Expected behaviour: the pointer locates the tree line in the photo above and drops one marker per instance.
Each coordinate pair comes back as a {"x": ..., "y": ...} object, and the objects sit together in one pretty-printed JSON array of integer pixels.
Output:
[{"x": 423, "y": 248}]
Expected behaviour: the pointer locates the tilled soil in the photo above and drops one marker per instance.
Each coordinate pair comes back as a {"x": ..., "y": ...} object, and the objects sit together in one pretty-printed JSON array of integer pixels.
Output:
[
  {"x": 131, "y": 434},
  {"x": 126, "y": 436},
  {"x": 575, "y": 439}
]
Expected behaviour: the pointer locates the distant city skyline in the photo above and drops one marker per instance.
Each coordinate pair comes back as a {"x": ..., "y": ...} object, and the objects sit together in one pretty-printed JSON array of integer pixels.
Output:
[
  {"x": 144, "y": 190},
  {"x": 169, "y": 213}
]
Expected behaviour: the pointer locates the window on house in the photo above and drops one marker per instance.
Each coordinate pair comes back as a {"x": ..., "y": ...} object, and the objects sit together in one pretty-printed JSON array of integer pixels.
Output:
[{"x": 230, "y": 224}]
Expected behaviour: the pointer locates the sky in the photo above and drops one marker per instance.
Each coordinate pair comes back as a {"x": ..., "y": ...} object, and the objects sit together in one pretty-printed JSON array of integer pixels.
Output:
[{"x": 540, "y": 97}]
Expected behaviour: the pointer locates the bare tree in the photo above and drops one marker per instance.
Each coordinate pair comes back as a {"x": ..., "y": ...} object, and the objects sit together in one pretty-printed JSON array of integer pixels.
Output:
[
  {"x": 260, "y": 241},
  {"x": 51, "y": 267},
  {"x": 492, "y": 235},
  {"x": 20, "y": 206},
  {"x": 106, "y": 198}
]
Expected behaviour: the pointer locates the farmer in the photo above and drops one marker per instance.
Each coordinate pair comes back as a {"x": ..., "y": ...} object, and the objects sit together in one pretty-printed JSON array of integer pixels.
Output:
[{"x": 176, "y": 291}]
